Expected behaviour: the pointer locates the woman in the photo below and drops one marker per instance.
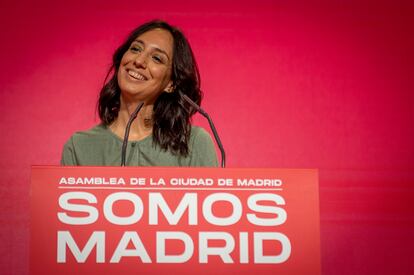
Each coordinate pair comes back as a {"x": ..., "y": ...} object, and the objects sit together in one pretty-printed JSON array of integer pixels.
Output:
[{"x": 154, "y": 66}]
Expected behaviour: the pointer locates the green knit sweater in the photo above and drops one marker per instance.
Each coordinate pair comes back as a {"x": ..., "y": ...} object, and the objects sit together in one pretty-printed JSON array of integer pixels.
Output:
[{"x": 99, "y": 146}]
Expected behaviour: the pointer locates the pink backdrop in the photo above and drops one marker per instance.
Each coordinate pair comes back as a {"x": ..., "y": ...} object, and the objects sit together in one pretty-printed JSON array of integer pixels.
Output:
[{"x": 324, "y": 85}]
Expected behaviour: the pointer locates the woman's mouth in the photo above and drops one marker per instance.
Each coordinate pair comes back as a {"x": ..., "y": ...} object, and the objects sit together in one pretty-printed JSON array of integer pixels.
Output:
[{"x": 136, "y": 75}]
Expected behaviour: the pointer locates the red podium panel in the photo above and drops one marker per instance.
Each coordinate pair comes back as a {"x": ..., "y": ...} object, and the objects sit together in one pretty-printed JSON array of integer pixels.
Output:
[{"x": 133, "y": 220}]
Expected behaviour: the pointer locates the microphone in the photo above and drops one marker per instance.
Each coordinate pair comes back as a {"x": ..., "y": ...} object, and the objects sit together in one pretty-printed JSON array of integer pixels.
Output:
[
  {"x": 213, "y": 129},
  {"x": 125, "y": 143}
]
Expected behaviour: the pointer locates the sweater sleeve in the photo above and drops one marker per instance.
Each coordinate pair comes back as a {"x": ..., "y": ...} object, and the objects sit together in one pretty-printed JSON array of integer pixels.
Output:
[
  {"x": 203, "y": 152},
  {"x": 68, "y": 154}
]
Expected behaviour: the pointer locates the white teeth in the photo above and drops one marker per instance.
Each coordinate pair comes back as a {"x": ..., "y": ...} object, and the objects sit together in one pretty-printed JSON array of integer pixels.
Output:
[{"x": 136, "y": 75}]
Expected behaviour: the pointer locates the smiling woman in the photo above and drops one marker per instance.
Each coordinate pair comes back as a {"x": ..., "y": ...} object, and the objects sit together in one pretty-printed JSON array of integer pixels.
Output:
[
  {"x": 154, "y": 66},
  {"x": 145, "y": 70}
]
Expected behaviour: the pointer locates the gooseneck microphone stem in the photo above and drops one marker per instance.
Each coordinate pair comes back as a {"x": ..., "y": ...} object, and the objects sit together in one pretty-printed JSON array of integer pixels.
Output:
[
  {"x": 213, "y": 128},
  {"x": 128, "y": 127}
]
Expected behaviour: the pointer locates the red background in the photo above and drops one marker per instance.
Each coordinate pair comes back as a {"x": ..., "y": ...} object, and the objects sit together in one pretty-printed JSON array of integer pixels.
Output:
[{"x": 319, "y": 84}]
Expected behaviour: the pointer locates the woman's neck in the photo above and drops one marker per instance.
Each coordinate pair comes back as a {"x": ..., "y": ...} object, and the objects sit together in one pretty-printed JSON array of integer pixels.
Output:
[{"x": 141, "y": 127}]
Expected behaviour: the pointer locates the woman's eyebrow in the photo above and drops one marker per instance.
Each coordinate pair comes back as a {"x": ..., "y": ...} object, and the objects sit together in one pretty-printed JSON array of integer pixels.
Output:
[{"x": 155, "y": 48}]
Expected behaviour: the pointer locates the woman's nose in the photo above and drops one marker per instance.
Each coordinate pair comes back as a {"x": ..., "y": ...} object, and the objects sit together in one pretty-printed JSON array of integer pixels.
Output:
[{"x": 140, "y": 60}]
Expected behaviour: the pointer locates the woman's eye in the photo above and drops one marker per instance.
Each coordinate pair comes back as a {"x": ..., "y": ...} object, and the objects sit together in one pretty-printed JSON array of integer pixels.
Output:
[
  {"x": 157, "y": 59},
  {"x": 136, "y": 49}
]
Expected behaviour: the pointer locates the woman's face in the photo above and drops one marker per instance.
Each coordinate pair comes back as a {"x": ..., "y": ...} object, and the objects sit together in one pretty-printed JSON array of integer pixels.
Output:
[{"x": 145, "y": 69}]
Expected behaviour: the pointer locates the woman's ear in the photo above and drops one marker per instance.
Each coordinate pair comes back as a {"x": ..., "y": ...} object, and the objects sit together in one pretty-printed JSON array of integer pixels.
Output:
[{"x": 169, "y": 88}]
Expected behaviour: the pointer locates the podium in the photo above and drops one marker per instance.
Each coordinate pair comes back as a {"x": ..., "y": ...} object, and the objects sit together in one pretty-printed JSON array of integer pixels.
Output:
[{"x": 136, "y": 220}]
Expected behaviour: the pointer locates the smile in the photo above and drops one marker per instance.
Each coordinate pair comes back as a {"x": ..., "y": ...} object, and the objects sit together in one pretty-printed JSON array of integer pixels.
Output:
[{"x": 136, "y": 75}]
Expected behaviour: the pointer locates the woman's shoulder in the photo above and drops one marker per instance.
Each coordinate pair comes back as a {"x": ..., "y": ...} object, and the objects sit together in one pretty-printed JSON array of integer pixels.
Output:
[
  {"x": 202, "y": 151},
  {"x": 84, "y": 147},
  {"x": 96, "y": 131},
  {"x": 199, "y": 134},
  {"x": 92, "y": 137}
]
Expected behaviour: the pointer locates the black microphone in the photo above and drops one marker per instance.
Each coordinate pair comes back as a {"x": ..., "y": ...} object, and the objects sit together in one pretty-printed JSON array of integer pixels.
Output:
[
  {"x": 125, "y": 143},
  {"x": 213, "y": 129}
]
